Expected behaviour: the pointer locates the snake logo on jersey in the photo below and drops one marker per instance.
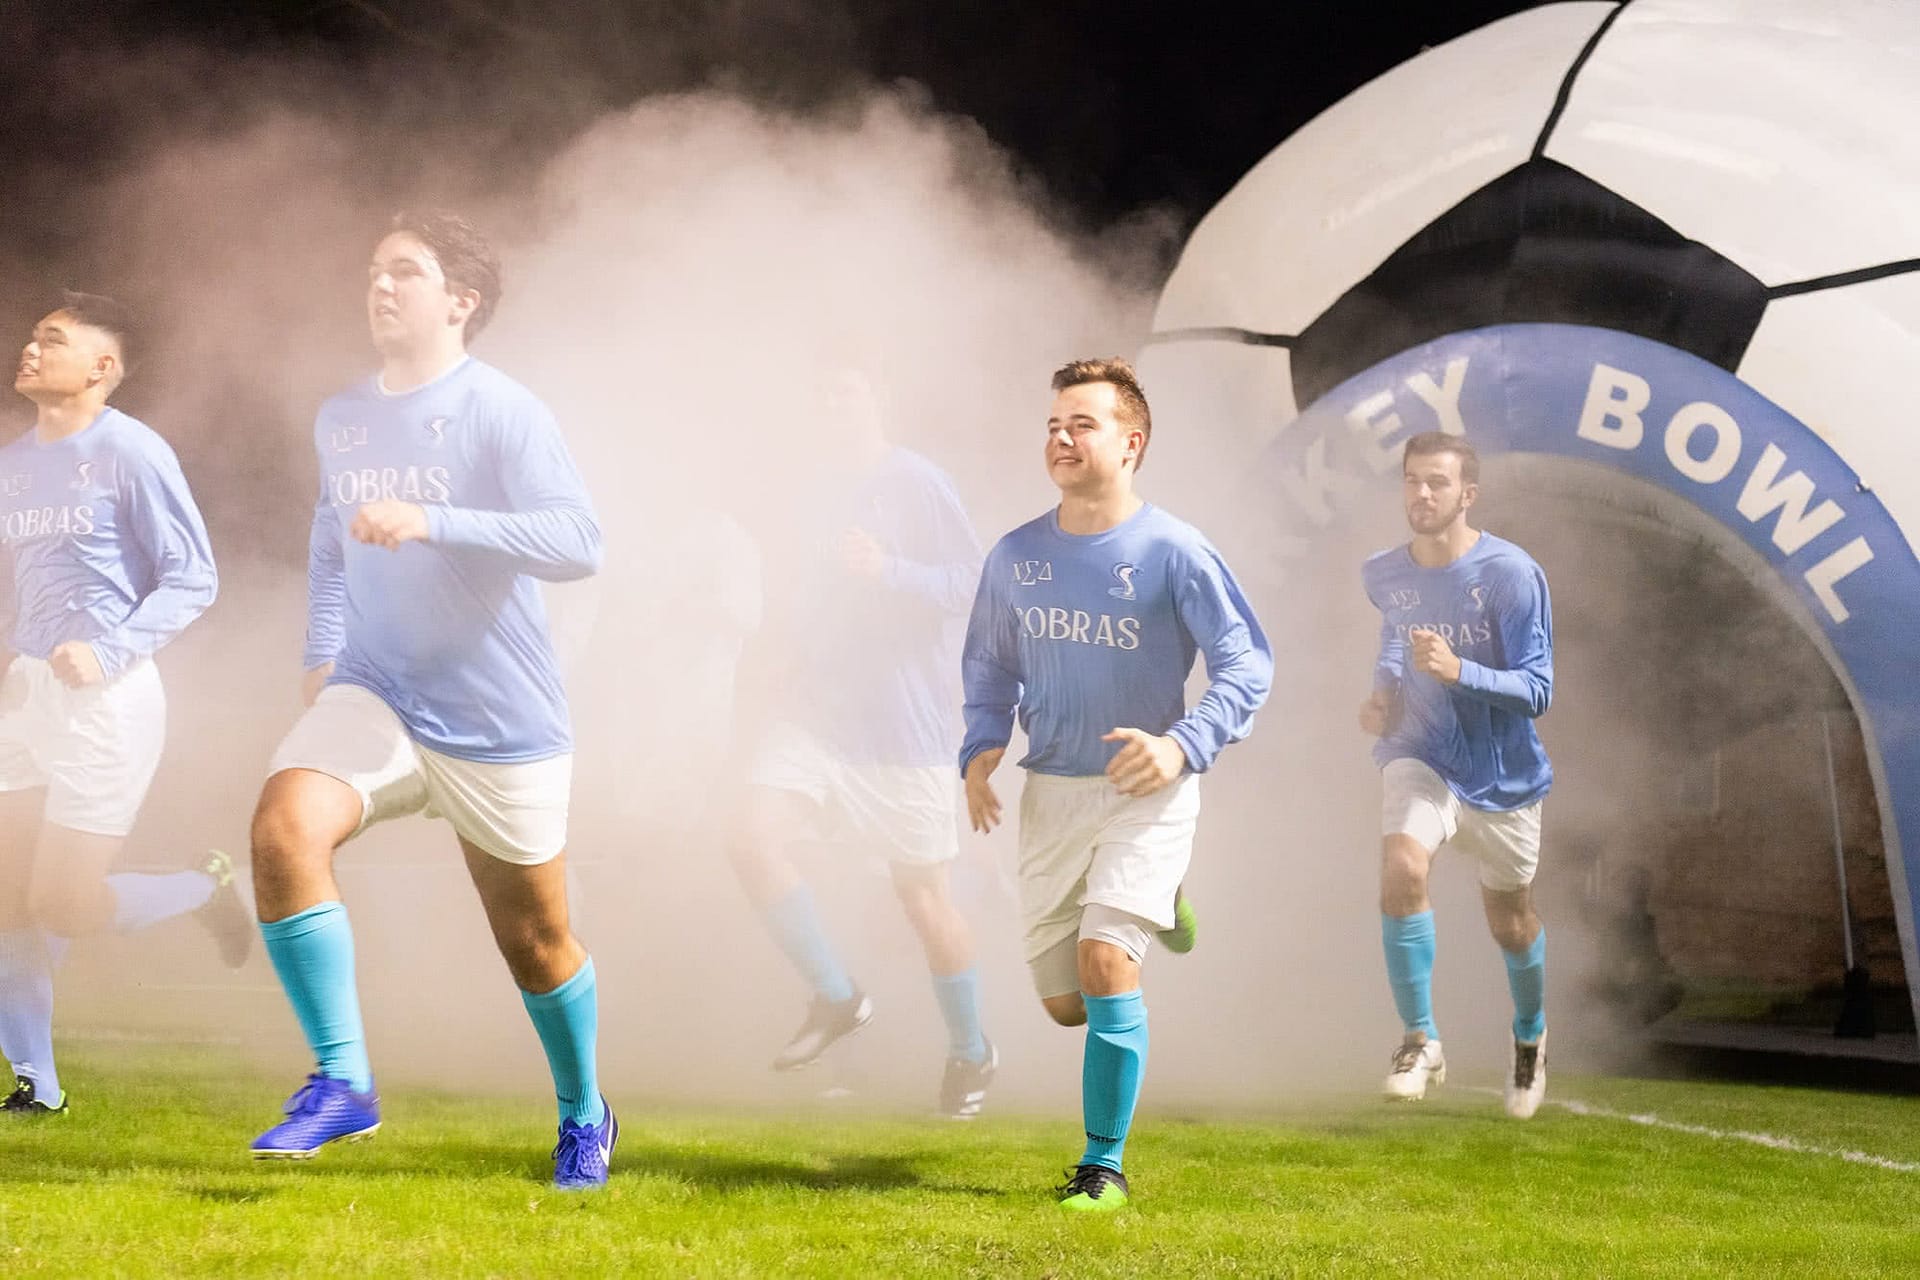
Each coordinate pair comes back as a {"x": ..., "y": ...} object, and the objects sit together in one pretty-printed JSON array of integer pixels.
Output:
[{"x": 1053, "y": 653}]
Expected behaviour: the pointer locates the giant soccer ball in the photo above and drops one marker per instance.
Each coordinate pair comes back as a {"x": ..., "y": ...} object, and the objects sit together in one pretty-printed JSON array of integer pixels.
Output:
[{"x": 1671, "y": 244}]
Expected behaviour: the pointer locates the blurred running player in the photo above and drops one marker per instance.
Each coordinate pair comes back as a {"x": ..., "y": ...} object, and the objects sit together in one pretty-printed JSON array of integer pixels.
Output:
[
  {"x": 110, "y": 562},
  {"x": 867, "y": 607},
  {"x": 1465, "y": 667},
  {"x": 1086, "y": 624},
  {"x": 446, "y": 492}
]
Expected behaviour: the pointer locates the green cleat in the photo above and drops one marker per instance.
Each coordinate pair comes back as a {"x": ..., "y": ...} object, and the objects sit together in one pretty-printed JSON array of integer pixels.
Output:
[
  {"x": 226, "y": 915},
  {"x": 1094, "y": 1188},
  {"x": 22, "y": 1102},
  {"x": 1186, "y": 926}
]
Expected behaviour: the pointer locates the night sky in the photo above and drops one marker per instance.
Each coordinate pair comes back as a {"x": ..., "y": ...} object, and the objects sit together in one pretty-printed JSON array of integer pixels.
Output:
[{"x": 1114, "y": 107}]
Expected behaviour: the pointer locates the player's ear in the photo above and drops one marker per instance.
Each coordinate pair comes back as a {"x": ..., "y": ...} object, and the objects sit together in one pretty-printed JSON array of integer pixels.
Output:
[
  {"x": 1469, "y": 493},
  {"x": 465, "y": 302}
]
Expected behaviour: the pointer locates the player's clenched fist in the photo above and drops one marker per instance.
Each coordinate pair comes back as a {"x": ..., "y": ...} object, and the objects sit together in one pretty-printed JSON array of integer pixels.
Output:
[
  {"x": 389, "y": 523},
  {"x": 74, "y": 665},
  {"x": 313, "y": 682},
  {"x": 1373, "y": 715},
  {"x": 1434, "y": 656},
  {"x": 983, "y": 807},
  {"x": 1145, "y": 762}
]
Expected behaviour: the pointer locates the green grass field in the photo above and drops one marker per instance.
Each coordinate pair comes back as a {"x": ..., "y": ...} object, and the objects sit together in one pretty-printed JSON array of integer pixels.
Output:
[{"x": 149, "y": 1177}]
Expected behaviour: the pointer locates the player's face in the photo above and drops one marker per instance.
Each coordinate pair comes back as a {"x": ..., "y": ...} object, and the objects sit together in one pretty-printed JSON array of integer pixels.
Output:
[
  {"x": 409, "y": 303},
  {"x": 61, "y": 358},
  {"x": 1434, "y": 494},
  {"x": 1087, "y": 447}
]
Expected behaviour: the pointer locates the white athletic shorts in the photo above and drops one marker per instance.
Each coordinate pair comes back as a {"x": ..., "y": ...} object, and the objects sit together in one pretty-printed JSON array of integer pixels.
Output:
[
  {"x": 909, "y": 813},
  {"x": 516, "y": 812},
  {"x": 93, "y": 749},
  {"x": 1084, "y": 844},
  {"x": 1419, "y": 803}
]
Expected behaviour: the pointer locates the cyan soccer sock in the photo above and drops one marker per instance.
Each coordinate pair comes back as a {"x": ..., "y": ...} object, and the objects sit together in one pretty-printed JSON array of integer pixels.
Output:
[
  {"x": 313, "y": 954},
  {"x": 794, "y": 922},
  {"x": 1409, "y": 945},
  {"x": 568, "y": 1020},
  {"x": 140, "y": 901},
  {"x": 1527, "y": 980},
  {"x": 1116, "y": 1059},
  {"x": 26, "y": 1010},
  {"x": 959, "y": 997}
]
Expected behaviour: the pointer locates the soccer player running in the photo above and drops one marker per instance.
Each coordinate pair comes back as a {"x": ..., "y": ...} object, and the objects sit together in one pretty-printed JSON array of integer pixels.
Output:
[
  {"x": 1086, "y": 623},
  {"x": 868, "y": 615},
  {"x": 110, "y": 562},
  {"x": 445, "y": 492},
  {"x": 1465, "y": 666}
]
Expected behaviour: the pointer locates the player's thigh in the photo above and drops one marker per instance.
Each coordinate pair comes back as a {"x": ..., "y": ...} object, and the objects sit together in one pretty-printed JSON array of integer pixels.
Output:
[
  {"x": 910, "y": 813},
  {"x": 1504, "y": 845},
  {"x": 101, "y": 755},
  {"x": 67, "y": 894},
  {"x": 1418, "y": 810},
  {"x": 1143, "y": 851},
  {"x": 20, "y": 811},
  {"x": 790, "y": 776},
  {"x": 1060, "y": 818},
  {"x": 526, "y": 909},
  {"x": 512, "y": 824},
  {"x": 346, "y": 764}
]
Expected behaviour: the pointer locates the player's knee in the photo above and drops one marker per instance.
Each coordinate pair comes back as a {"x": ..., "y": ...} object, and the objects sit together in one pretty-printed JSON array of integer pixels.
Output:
[
  {"x": 1514, "y": 933},
  {"x": 1068, "y": 1010}
]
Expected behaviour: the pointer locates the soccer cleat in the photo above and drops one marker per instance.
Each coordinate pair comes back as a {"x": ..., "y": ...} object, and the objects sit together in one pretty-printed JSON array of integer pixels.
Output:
[
  {"x": 581, "y": 1157},
  {"x": 1526, "y": 1078},
  {"x": 22, "y": 1104},
  {"x": 963, "y": 1089},
  {"x": 1416, "y": 1064},
  {"x": 320, "y": 1111},
  {"x": 1094, "y": 1188},
  {"x": 225, "y": 915},
  {"x": 828, "y": 1021},
  {"x": 1186, "y": 926}
]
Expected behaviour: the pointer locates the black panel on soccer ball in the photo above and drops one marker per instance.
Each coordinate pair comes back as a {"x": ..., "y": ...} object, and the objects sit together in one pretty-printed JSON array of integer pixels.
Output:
[{"x": 1540, "y": 244}]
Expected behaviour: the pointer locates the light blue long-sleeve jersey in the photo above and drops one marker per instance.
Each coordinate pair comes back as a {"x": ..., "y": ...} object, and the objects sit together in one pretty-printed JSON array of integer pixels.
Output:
[
  {"x": 1491, "y": 605},
  {"x": 450, "y": 632},
  {"x": 1083, "y": 634},
  {"x": 875, "y": 660},
  {"x": 107, "y": 544}
]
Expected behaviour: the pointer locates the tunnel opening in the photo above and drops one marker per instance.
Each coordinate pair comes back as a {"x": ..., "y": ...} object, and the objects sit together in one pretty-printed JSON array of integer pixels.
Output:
[{"x": 1716, "y": 822}]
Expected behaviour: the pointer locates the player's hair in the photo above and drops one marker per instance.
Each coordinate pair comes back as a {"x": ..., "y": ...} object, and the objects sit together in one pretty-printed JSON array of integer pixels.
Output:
[
  {"x": 465, "y": 258},
  {"x": 107, "y": 315},
  {"x": 1428, "y": 443},
  {"x": 1129, "y": 399}
]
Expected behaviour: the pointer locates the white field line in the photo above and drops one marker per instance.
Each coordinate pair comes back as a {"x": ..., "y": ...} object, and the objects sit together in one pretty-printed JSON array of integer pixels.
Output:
[{"x": 1771, "y": 1141}]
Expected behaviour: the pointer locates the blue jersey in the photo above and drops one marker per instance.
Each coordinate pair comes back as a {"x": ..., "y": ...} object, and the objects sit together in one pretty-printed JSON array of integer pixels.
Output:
[
  {"x": 107, "y": 544},
  {"x": 450, "y": 632},
  {"x": 1086, "y": 633},
  {"x": 875, "y": 661},
  {"x": 1491, "y": 606}
]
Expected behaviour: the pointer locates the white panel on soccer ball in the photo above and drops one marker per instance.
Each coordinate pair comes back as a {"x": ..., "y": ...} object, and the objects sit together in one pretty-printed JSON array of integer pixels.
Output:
[
  {"x": 1357, "y": 181},
  {"x": 1221, "y": 393},
  {"x": 1844, "y": 362},
  {"x": 1776, "y": 132}
]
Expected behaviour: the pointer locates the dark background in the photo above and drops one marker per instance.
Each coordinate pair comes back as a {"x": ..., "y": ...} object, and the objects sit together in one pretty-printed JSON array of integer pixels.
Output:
[{"x": 1112, "y": 107}]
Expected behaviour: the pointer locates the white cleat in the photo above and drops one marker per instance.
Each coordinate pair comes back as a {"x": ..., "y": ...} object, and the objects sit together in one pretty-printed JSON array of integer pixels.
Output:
[
  {"x": 1526, "y": 1078},
  {"x": 1416, "y": 1064}
]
